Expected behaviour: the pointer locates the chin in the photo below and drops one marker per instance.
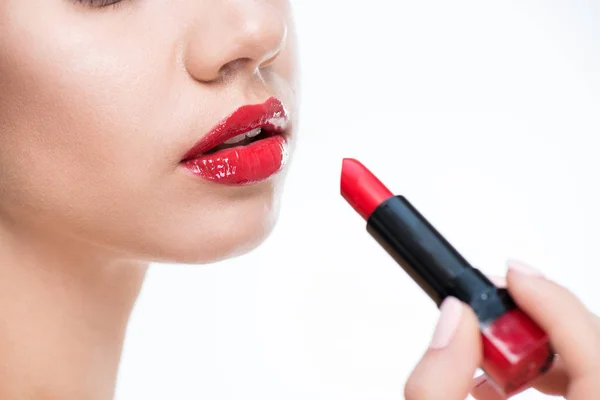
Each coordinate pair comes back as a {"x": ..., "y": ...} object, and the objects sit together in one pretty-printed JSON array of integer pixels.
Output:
[
  {"x": 233, "y": 229},
  {"x": 228, "y": 242}
]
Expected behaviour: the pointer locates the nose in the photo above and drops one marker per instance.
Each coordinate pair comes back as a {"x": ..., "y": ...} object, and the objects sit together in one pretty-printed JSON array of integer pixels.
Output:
[{"x": 234, "y": 36}]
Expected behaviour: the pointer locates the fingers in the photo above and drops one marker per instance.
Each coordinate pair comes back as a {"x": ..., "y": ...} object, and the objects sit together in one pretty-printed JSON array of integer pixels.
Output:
[
  {"x": 553, "y": 307},
  {"x": 447, "y": 368},
  {"x": 556, "y": 381},
  {"x": 572, "y": 328}
]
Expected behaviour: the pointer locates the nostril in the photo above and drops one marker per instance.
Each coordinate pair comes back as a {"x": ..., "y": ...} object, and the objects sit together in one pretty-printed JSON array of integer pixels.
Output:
[
  {"x": 255, "y": 35},
  {"x": 234, "y": 67},
  {"x": 269, "y": 61}
]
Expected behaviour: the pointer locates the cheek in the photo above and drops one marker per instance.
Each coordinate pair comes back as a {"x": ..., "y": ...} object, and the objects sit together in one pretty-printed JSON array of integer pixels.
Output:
[{"x": 78, "y": 119}]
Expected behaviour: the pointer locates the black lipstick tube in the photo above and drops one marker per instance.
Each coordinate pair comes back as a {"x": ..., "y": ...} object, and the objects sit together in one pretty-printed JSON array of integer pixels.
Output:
[{"x": 516, "y": 350}]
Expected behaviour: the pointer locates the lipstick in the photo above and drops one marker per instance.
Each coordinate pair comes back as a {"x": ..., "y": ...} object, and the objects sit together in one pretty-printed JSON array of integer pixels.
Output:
[
  {"x": 247, "y": 147},
  {"x": 515, "y": 349}
]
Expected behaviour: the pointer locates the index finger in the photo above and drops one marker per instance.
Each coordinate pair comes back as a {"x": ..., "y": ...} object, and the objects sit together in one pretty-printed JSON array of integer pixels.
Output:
[{"x": 572, "y": 328}]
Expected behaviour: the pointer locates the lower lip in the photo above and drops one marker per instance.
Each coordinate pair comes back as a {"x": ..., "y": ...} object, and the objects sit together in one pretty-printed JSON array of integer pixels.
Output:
[
  {"x": 242, "y": 165},
  {"x": 515, "y": 349}
]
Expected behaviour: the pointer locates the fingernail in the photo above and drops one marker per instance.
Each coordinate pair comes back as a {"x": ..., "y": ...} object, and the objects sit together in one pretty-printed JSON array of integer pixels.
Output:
[
  {"x": 480, "y": 380},
  {"x": 499, "y": 281},
  {"x": 485, "y": 389},
  {"x": 523, "y": 269},
  {"x": 451, "y": 311}
]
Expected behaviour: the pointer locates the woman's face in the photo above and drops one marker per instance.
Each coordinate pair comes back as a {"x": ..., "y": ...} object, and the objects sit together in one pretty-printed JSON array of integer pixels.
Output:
[{"x": 102, "y": 107}]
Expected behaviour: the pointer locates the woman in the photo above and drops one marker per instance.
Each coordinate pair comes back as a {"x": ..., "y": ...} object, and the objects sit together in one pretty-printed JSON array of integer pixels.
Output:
[{"x": 136, "y": 131}]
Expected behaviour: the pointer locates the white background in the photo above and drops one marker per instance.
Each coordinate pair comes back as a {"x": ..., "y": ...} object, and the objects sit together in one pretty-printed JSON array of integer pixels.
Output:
[{"x": 484, "y": 114}]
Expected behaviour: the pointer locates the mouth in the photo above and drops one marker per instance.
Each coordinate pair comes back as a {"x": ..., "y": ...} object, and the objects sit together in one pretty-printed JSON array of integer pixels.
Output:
[
  {"x": 243, "y": 139},
  {"x": 248, "y": 146}
]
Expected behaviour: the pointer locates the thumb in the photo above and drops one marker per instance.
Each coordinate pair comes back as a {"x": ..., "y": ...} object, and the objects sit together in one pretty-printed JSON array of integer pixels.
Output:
[{"x": 447, "y": 368}]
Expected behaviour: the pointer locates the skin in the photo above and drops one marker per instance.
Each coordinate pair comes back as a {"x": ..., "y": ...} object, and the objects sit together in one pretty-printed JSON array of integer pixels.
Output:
[
  {"x": 97, "y": 108},
  {"x": 573, "y": 330}
]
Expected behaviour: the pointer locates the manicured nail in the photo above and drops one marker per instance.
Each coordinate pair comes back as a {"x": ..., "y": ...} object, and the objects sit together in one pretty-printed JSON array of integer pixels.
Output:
[
  {"x": 499, "y": 281},
  {"x": 480, "y": 380},
  {"x": 485, "y": 389},
  {"x": 451, "y": 312},
  {"x": 523, "y": 269}
]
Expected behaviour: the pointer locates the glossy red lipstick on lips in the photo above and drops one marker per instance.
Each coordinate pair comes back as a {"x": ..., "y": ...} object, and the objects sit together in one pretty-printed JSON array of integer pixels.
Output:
[
  {"x": 515, "y": 349},
  {"x": 248, "y": 146}
]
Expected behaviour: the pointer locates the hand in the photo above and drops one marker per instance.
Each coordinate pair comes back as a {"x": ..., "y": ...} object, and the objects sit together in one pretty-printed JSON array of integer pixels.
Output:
[{"x": 446, "y": 369}]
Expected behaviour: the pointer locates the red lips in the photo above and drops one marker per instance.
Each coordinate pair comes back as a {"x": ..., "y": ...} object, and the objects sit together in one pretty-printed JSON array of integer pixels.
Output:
[{"x": 251, "y": 160}]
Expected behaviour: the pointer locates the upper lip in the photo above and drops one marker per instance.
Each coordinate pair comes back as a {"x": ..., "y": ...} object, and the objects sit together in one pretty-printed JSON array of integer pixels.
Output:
[{"x": 270, "y": 115}]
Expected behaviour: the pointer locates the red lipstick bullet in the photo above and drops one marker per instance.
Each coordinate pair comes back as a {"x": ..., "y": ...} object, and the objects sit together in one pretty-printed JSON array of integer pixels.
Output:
[{"x": 515, "y": 349}]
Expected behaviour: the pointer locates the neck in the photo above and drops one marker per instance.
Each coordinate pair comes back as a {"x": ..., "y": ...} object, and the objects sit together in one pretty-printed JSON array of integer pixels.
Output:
[{"x": 64, "y": 308}]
